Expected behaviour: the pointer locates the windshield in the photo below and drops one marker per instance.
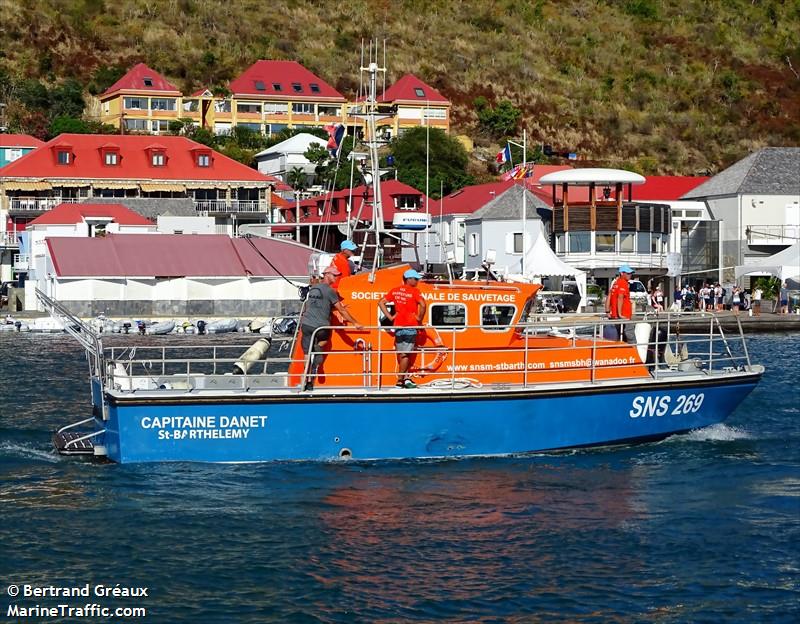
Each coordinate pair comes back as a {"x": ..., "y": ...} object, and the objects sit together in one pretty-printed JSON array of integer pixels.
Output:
[{"x": 637, "y": 287}]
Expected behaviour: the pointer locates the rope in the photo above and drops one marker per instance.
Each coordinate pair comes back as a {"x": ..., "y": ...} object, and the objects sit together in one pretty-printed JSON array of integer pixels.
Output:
[
  {"x": 274, "y": 268},
  {"x": 459, "y": 383}
]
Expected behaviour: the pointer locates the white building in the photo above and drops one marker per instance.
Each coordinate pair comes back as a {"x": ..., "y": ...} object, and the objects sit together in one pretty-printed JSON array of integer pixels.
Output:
[
  {"x": 758, "y": 201},
  {"x": 282, "y": 157}
]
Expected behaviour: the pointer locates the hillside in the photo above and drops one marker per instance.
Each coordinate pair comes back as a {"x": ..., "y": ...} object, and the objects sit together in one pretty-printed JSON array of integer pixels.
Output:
[{"x": 661, "y": 86}]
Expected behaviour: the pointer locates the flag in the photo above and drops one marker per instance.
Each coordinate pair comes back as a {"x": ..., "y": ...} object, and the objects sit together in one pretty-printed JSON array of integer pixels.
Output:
[
  {"x": 335, "y": 136},
  {"x": 521, "y": 172},
  {"x": 504, "y": 155}
]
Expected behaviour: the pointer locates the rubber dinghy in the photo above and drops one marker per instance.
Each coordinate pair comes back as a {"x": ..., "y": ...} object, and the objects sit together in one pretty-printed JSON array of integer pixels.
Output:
[
  {"x": 222, "y": 326},
  {"x": 161, "y": 328}
]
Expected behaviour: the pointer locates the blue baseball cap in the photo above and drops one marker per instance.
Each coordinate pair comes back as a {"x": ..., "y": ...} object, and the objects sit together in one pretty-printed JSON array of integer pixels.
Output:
[
  {"x": 348, "y": 245},
  {"x": 625, "y": 268},
  {"x": 411, "y": 273}
]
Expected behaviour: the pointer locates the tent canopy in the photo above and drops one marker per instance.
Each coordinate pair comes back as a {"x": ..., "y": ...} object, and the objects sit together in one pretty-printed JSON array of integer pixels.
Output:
[
  {"x": 542, "y": 261},
  {"x": 784, "y": 265}
]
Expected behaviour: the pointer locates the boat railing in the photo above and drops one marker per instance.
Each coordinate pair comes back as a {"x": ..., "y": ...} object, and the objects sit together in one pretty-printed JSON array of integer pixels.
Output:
[{"x": 687, "y": 342}]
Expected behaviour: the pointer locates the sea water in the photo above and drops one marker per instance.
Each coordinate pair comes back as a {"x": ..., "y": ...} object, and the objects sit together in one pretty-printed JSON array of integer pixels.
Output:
[{"x": 699, "y": 527}]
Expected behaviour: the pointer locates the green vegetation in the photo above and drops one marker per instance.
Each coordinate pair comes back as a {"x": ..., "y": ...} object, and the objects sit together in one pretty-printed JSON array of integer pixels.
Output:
[
  {"x": 672, "y": 86},
  {"x": 447, "y": 161}
]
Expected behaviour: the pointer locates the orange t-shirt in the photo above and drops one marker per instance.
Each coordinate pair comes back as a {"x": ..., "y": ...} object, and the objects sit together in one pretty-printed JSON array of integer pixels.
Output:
[
  {"x": 406, "y": 302},
  {"x": 620, "y": 288},
  {"x": 341, "y": 262}
]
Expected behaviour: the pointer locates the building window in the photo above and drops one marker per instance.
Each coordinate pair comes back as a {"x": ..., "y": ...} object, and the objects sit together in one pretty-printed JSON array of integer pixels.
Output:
[
  {"x": 134, "y": 103},
  {"x": 253, "y": 127},
  {"x": 191, "y": 106},
  {"x": 248, "y": 107},
  {"x": 63, "y": 157},
  {"x": 260, "y": 85},
  {"x": 497, "y": 317},
  {"x": 473, "y": 244},
  {"x": 14, "y": 153},
  {"x": 656, "y": 245},
  {"x": 314, "y": 87},
  {"x": 158, "y": 159},
  {"x": 330, "y": 111},
  {"x": 222, "y": 106},
  {"x": 111, "y": 159},
  {"x": 517, "y": 243},
  {"x": 434, "y": 113},
  {"x": 605, "y": 242},
  {"x": 419, "y": 91},
  {"x": 579, "y": 242},
  {"x": 303, "y": 108},
  {"x": 448, "y": 315},
  {"x": 406, "y": 202},
  {"x": 148, "y": 82},
  {"x": 448, "y": 233},
  {"x": 203, "y": 160},
  {"x": 136, "y": 125},
  {"x": 627, "y": 242},
  {"x": 275, "y": 108},
  {"x": 560, "y": 246},
  {"x": 164, "y": 104},
  {"x": 643, "y": 242},
  {"x": 277, "y": 86},
  {"x": 297, "y": 87},
  {"x": 159, "y": 125}
]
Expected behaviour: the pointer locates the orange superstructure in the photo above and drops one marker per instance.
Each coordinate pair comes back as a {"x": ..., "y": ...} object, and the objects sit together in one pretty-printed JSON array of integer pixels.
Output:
[{"x": 471, "y": 329}]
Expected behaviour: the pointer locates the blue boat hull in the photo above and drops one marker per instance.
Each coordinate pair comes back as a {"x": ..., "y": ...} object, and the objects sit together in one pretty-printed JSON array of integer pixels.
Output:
[{"x": 396, "y": 425}]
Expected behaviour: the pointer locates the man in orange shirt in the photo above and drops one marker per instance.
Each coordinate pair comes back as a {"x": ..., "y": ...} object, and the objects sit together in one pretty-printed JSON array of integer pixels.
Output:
[
  {"x": 618, "y": 303},
  {"x": 409, "y": 310},
  {"x": 342, "y": 260}
]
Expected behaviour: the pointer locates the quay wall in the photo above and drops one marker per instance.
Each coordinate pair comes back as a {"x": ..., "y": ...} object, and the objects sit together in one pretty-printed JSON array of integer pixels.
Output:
[{"x": 182, "y": 308}]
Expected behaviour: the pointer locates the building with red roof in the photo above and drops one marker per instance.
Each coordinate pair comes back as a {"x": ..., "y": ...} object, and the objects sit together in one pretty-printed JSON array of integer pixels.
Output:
[
  {"x": 322, "y": 220},
  {"x": 141, "y": 101},
  {"x": 145, "y": 275},
  {"x": 15, "y": 146},
  {"x": 409, "y": 103}
]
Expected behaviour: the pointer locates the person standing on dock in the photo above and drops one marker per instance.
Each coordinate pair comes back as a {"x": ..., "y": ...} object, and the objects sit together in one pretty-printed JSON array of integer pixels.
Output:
[
  {"x": 784, "y": 297},
  {"x": 409, "y": 310},
  {"x": 618, "y": 303},
  {"x": 321, "y": 300},
  {"x": 342, "y": 261},
  {"x": 757, "y": 294}
]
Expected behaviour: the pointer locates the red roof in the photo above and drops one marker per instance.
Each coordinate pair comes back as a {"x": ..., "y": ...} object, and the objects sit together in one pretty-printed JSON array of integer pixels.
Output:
[
  {"x": 337, "y": 200},
  {"x": 66, "y": 214},
  {"x": 666, "y": 188},
  {"x": 141, "y": 78},
  {"x": 19, "y": 140},
  {"x": 470, "y": 198},
  {"x": 280, "y": 202},
  {"x": 411, "y": 89},
  {"x": 135, "y": 161},
  {"x": 175, "y": 255},
  {"x": 284, "y": 79}
]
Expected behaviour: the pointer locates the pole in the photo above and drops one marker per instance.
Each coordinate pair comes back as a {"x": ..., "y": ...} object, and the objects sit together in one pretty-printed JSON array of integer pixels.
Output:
[
  {"x": 524, "y": 201},
  {"x": 441, "y": 220},
  {"x": 427, "y": 181},
  {"x": 297, "y": 216}
]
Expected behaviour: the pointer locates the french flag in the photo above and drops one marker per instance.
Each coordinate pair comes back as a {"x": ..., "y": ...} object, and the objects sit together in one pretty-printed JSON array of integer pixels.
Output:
[
  {"x": 504, "y": 156},
  {"x": 335, "y": 136}
]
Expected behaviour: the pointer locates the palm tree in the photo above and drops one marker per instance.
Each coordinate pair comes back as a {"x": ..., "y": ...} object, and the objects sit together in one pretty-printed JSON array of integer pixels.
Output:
[{"x": 297, "y": 179}]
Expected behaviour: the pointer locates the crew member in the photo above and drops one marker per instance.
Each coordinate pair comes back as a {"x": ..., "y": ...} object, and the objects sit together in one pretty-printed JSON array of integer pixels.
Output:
[
  {"x": 409, "y": 310},
  {"x": 321, "y": 300},
  {"x": 343, "y": 262},
  {"x": 618, "y": 303}
]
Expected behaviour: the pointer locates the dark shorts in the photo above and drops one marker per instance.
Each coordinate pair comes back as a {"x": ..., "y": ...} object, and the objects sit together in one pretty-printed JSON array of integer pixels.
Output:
[
  {"x": 784, "y": 302},
  {"x": 405, "y": 340},
  {"x": 305, "y": 340}
]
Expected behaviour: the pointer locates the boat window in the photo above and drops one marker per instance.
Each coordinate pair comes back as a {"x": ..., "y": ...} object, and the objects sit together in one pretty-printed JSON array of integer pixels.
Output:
[
  {"x": 448, "y": 315},
  {"x": 383, "y": 320},
  {"x": 497, "y": 317}
]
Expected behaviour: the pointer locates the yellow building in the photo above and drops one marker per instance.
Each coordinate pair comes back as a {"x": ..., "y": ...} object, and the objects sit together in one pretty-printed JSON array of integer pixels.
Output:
[{"x": 141, "y": 101}]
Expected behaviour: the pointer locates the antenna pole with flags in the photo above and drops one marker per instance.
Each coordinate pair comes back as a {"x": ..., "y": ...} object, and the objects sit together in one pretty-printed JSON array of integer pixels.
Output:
[{"x": 524, "y": 147}]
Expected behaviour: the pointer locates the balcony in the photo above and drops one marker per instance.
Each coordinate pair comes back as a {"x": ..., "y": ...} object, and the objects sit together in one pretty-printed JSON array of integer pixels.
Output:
[
  {"x": 39, "y": 204},
  {"x": 773, "y": 235},
  {"x": 21, "y": 262},
  {"x": 8, "y": 239},
  {"x": 232, "y": 206}
]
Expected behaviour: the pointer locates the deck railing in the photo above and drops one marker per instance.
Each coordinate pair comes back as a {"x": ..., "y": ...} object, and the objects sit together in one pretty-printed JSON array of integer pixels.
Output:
[{"x": 703, "y": 349}]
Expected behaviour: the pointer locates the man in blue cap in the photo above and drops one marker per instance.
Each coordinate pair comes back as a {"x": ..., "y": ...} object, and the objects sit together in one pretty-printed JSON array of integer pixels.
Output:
[
  {"x": 342, "y": 260},
  {"x": 409, "y": 310},
  {"x": 618, "y": 303}
]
